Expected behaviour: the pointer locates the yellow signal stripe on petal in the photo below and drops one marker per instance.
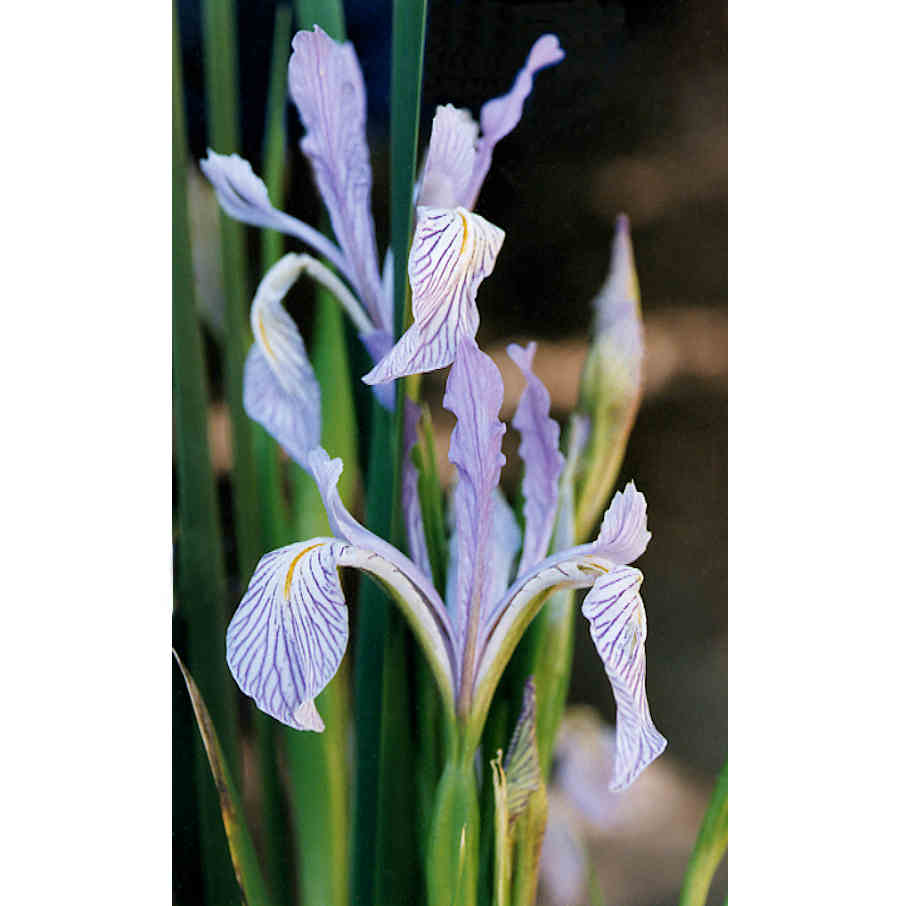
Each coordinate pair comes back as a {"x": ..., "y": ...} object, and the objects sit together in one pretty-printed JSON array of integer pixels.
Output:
[
  {"x": 294, "y": 562},
  {"x": 465, "y": 226},
  {"x": 595, "y": 565},
  {"x": 265, "y": 339}
]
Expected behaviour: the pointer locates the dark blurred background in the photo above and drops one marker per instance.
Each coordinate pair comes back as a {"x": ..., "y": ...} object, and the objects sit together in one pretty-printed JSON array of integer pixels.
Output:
[{"x": 634, "y": 120}]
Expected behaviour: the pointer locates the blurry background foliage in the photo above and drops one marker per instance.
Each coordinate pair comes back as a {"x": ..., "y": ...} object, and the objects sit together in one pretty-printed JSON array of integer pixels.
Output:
[{"x": 633, "y": 120}]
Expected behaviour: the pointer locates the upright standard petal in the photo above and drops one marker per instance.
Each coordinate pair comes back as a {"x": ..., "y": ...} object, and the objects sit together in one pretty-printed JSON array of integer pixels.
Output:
[
  {"x": 474, "y": 395},
  {"x": 540, "y": 454},
  {"x": 452, "y": 252},
  {"x": 289, "y": 633},
  {"x": 614, "y": 609},
  {"x": 501, "y": 115},
  {"x": 507, "y": 542},
  {"x": 327, "y": 86},
  {"x": 280, "y": 387},
  {"x": 450, "y": 158},
  {"x": 244, "y": 196}
]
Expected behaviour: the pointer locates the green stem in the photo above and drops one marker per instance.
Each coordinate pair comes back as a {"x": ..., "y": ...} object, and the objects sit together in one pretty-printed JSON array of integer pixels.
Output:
[
  {"x": 712, "y": 841},
  {"x": 453, "y": 845}
]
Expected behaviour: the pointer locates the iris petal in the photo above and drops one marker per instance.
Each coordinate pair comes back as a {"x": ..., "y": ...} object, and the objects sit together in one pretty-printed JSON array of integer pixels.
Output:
[
  {"x": 540, "y": 454},
  {"x": 326, "y": 84},
  {"x": 452, "y": 252},
  {"x": 289, "y": 633},
  {"x": 474, "y": 395},
  {"x": 501, "y": 115},
  {"x": 614, "y": 609},
  {"x": 244, "y": 196},
  {"x": 623, "y": 534},
  {"x": 450, "y": 158},
  {"x": 280, "y": 387}
]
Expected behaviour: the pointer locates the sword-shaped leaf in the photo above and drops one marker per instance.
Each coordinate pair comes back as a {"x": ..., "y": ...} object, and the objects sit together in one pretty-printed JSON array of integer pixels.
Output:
[{"x": 243, "y": 854}]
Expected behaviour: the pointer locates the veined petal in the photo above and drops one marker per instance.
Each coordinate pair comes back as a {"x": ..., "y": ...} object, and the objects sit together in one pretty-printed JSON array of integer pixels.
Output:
[
  {"x": 507, "y": 544},
  {"x": 614, "y": 609},
  {"x": 450, "y": 158},
  {"x": 507, "y": 540},
  {"x": 244, "y": 196},
  {"x": 540, "y": 454},
  {"x": 280, "y": 387},
  {"x": 501, "y": 115},
  {"x": 451, "y": 253},
  {"x": 474, "y": 395},
  {"x": 327, "y": 86},
  {"x": 623, "y": 534},
  {"x": 288, "y": 636}
]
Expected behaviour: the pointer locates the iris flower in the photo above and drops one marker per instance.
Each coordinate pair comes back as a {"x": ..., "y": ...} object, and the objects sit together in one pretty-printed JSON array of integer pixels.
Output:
[
  {"x": 290, "y": 631},
  {"x": 326, "y": 85}
]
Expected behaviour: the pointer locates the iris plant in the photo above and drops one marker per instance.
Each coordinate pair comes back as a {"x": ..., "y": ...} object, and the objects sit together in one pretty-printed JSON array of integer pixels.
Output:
[{"x": 289, "y": 634}]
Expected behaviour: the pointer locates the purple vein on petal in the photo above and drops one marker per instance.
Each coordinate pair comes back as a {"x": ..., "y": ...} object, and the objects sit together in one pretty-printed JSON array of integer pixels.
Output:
[
  {"x": 474, "y": 395},
  {"x": 327, "y": 87}
]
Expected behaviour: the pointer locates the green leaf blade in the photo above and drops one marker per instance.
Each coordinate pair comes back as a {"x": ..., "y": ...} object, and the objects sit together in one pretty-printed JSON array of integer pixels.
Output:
[
  {"x": 240, "y": 844},
  {"x": 712, "y": 841}
]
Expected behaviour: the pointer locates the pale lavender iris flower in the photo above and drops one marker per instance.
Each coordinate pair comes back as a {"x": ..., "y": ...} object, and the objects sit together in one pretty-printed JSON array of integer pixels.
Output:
[{"x": 290, "y": 631}]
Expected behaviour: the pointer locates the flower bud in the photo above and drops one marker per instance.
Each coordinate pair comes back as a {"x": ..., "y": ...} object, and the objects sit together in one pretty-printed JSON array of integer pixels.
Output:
[{"x": 611, "y": 381}]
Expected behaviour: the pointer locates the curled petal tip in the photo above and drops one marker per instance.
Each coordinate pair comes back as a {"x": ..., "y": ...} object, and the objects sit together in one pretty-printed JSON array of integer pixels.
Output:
[
  {"x": 545, "y": 51},
  {"x": 307, "y": 716},
  {"x": 623, "y": 533}
]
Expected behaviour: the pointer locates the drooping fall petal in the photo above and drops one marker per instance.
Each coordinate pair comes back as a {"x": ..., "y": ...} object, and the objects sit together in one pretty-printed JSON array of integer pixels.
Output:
[
  {"x": 618, "y": 622},
  {"x": 280, "y": 387},
  {"x": 452, "y": 252},
  {"x": 288, "y": 636}
]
